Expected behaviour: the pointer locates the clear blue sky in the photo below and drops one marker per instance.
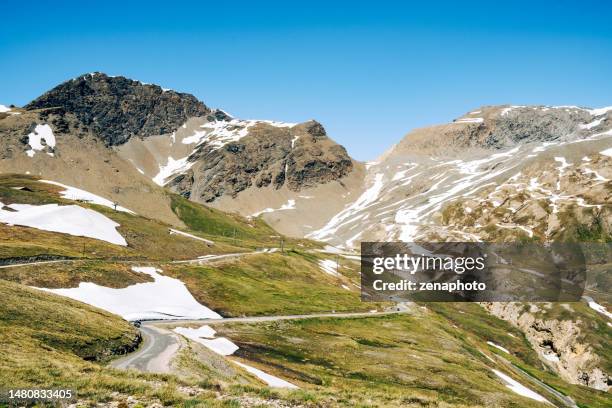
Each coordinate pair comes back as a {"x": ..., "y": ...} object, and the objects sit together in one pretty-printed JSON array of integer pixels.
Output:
[{"x": 369, "y": 71}]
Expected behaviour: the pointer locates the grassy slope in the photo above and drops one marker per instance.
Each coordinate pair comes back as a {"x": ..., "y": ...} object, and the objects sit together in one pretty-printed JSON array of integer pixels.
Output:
[
  {"x": 373, "y": 362},
  {"x": 51, "y": 322},
  {"x": 231, "y": 228},
  {"x": 272, "y": 284},
  {"x": 475, "y": 322},
  {"x": 393, "y": 360},
  {"x": 70, "y": 274},
  {"x": 434, "y": 357},
  {"x": 45, "y": 339},
  {"x": 147, "y": 238}
]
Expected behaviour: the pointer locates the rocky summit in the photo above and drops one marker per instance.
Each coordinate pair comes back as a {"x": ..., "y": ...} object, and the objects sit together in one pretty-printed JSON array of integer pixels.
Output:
[{"x": 118, "y": 108}]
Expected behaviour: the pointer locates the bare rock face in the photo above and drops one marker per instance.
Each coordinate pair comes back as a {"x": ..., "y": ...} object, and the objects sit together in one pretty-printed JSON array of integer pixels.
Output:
[
  {"x": 525, "y": 124},
  {"x": 298, "y": 157},
  {"x": 557, "y": 343},
  {"x": 117, "y": 108}
]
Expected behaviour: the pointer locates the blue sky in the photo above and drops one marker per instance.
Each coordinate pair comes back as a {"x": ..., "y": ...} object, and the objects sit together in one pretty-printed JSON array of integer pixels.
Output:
[{"x": 369, "y": 71}]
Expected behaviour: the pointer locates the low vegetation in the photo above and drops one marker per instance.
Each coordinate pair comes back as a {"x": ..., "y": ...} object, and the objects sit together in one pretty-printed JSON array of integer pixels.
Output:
[
  {"x": 472, "y": 321},
  {"x": 53, "y": 342},
  {"x": 272, "y": 284},
  {"x": 70, "y": 273},
  {"x": 393, "y": 360}
]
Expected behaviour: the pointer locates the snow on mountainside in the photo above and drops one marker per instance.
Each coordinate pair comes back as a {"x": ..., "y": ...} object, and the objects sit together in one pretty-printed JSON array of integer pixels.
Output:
[
  {"x": 215, "y": 134},
  {"x": 69, "y": 219},
  {"x": 164, "y": 298},
  {"x": 276, "y": 170},
  {"x": 499, "y": 170},
  {"x": 123, "y": 139}
]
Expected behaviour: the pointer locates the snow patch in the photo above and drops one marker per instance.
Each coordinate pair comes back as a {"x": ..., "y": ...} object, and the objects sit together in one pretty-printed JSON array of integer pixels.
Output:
[
  {"x": 290, "y": 205},
  {"x": 505, "y": 111},
  {"x": 271, "y": 380},
  {"x": 164, "y": 298},
  {"x": 76, "y": 194},
  {"x": 607, "y": 152},
  {"x": 172, "y": 167},
  {"x": 329, "y": 267},
  {"x": 203, "y": 331},
  {"x": 600, "y": 111},
  {"x": 221, "y": 132},
  {"x": 591, "y": 125},
  {"x": 37, "y": 136},
  {"x": 68, "y": 219},
  {"x": 470, "y": 120},
  {"x": 205, "y": 336},
  {"x": 173, "y": 231},
  {"x": 551, "y": 356},
  {"x": 497, "y": 346},
  {"x": 519, "y": 388},
  {"x": 295, "y": 138},
  {"x": 599, "y": 308}
]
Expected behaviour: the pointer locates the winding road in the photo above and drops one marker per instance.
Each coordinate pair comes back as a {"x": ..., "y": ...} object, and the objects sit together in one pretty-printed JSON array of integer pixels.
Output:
[
  {"x": 558, "y": 397},
  {"x": 201, "y": 260},
  {"x": 158, "y": 348},
  {"x": 160, "y": 343}
]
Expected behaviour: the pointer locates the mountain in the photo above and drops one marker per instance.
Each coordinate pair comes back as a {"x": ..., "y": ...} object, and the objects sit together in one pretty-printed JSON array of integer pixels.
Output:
[
  {"x": 123, "y": 139},
  {"x": 499, "y": 173},
  {"x": 496, "y": 173}
]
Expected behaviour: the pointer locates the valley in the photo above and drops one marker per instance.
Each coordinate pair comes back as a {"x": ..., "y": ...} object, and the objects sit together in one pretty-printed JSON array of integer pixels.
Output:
[{"x": 158, "y": 252}]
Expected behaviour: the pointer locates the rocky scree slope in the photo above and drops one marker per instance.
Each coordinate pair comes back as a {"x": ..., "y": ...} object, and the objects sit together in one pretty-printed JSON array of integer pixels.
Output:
[
  {"x": 497, "y": 172},
  {"x": 560, "y": 343}
]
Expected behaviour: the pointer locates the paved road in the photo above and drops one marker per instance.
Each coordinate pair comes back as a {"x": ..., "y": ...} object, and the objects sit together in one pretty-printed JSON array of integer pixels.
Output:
[
  {"x": 256, "y": 319},
  {"x": 155, "y": 354},
  {"x": 205, "y": 259},
  {"x": 211, "y": 258},
  {"x": 36, "y": 263},
  {"x": 559, "y": 397},
  {"x": 160, "y": 344}
]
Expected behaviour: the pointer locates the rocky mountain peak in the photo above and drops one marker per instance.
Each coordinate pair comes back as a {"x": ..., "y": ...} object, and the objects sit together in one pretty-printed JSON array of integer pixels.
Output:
[
  {"x": 118, "y": 108},
  {"x": 505, "y": 126}
]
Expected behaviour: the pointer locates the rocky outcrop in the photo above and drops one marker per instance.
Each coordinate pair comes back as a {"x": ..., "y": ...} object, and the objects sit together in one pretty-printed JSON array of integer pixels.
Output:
[
  {"x": 118, "y": 108},
  {"x": 556, "y": 342},
  {"x": 298, "y": 157},
  {"x": 525, "y": 124},
  {"x": 126, "y": 344}
]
